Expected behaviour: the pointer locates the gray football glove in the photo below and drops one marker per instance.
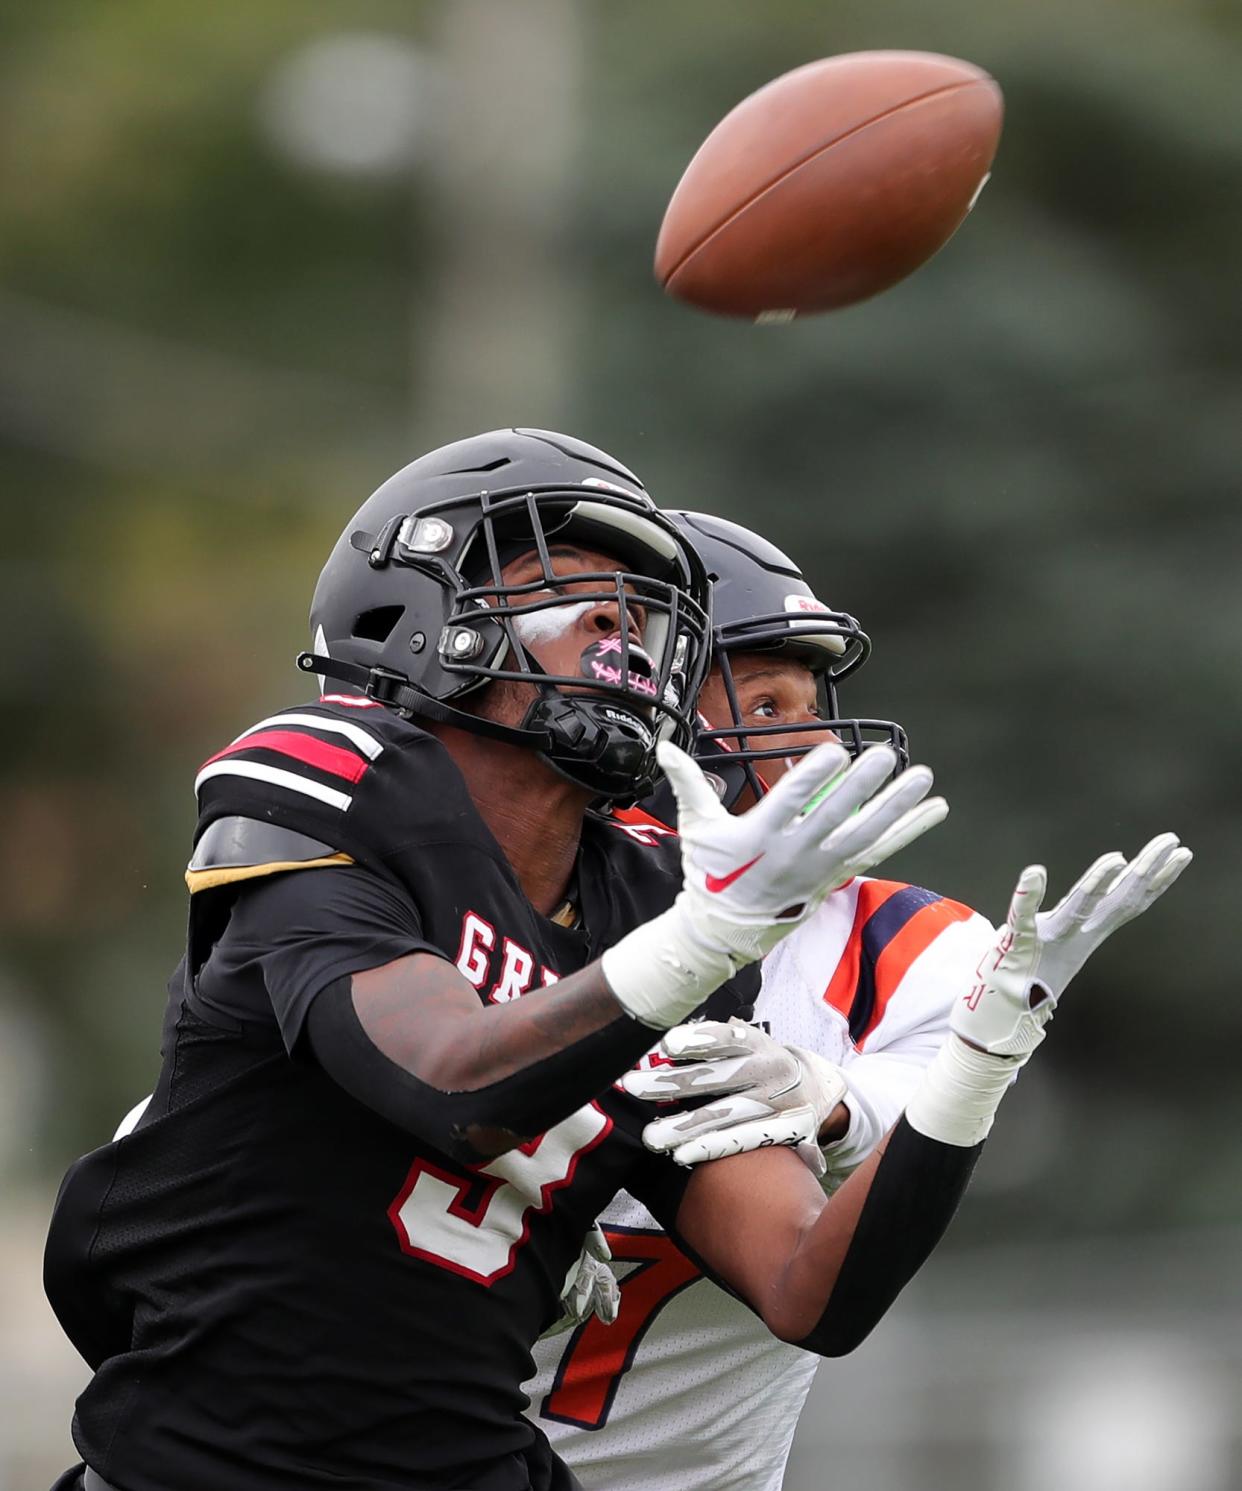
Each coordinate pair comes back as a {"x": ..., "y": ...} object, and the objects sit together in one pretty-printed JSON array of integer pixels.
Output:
[
  {"x": 768, "y": 1094},
  {"x": 591, "y": 1287}
]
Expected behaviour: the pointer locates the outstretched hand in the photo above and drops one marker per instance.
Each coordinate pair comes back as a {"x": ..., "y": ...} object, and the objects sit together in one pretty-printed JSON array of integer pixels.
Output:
[
  {"x": 1037, "y": 953},
  {"x": 748, "y": 881},
  {"x": 825, "y": 821}
]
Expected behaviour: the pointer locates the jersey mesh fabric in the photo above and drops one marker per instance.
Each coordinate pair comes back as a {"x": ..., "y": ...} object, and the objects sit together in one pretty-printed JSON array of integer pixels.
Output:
[{"x": 709, "y": 1400}]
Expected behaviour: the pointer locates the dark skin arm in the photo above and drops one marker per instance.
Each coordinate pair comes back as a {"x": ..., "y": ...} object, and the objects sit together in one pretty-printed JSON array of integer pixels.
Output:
[
  {"x": 761, "y": 1221},
  {"x": 425, "y": 1016},
  {"x": 758, "y": 1220}
]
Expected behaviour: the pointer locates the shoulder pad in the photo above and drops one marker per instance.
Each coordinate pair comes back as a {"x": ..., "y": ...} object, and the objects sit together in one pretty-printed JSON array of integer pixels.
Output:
[
  {"x": 364, "y": 783},
  {"x": 309, "y": 752},
  {"x": 234, "y": 849}
]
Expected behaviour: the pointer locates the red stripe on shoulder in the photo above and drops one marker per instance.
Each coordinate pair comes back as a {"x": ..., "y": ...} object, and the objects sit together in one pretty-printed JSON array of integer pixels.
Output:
[
  {"x": 911, "y": 942},
  {"x": 639, "y": 817},
  {"x": 335, "y": 760},
  {"x": 872, "y": 894},
  {"x": 640, "y": 826}
]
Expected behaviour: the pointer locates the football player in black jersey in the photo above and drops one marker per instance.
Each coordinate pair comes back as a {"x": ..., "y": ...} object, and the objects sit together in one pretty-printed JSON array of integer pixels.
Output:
[{"x": 416, "y": 966}]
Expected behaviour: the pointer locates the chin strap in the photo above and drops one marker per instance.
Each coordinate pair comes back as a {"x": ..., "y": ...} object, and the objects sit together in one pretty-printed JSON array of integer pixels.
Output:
[
  {"x": 568, "y": 735},
  {"x": 389, "y": 688}
]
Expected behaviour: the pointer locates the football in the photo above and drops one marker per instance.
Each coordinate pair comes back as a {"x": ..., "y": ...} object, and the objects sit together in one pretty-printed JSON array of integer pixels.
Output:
[{"x": 829, "y": 184}]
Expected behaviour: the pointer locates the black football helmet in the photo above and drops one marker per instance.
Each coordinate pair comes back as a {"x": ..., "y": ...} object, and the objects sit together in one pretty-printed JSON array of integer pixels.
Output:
[
  {"x": 760, "y": 603},
  {"x": 412, "y": 610}
]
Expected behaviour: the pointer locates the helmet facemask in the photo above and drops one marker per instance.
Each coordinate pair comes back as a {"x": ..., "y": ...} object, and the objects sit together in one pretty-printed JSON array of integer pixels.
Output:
[
  {"x": 599, "y": 725},
  {"x": 832, "y": 645}
]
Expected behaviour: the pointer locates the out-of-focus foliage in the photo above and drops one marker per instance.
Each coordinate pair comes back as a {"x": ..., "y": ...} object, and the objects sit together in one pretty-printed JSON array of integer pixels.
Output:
[{"x": 1019, "y": 468}]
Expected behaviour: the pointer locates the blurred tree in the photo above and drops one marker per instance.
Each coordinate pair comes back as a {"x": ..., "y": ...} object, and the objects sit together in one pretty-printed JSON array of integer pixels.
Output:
[{"x": 1018, "y": 468}]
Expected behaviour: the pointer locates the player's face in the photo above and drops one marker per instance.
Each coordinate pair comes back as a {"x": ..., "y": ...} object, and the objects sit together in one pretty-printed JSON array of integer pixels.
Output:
[
  {"x": 771, "y": 690},
  {"x": 560, "y": 638}
]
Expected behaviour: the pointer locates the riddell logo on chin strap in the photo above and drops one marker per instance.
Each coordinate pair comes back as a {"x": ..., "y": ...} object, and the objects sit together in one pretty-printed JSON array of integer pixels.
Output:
[{"x": 717, "y": 883}]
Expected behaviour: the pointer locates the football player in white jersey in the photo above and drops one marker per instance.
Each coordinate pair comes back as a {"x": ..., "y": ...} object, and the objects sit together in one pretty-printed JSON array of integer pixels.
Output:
[{"x": 686, "y": 1389}]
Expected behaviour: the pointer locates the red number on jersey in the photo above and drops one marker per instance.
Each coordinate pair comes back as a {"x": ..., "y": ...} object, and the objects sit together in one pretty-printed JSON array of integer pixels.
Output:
[{"x": 598, "y": 1355}]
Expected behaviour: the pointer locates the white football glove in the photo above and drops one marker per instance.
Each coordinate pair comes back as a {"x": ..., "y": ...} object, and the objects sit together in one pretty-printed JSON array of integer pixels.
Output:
[
  {"x": 749, "y": 880},
  {"x": 996, "y": 1026},
  {"x": 591, "y": 1287},
  {"x": 770, "y": 1094},
  {"x": 1037, "y": 953}
]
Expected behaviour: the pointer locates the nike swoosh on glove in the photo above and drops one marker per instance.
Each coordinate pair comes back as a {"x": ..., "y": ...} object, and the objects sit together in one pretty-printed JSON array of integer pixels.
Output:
[
  {"x": 769, "y": 1094},
  {"x": 750, "y": 879}
]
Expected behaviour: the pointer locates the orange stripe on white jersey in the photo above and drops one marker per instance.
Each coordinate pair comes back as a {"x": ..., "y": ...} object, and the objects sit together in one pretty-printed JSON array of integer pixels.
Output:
[{"x": 893, "y": 925}]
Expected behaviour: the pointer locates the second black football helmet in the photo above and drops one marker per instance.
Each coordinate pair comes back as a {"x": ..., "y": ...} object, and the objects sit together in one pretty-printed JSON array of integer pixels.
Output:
[
  {"x": 761, "y": 602},
  {"x": 412, "y": 607}
]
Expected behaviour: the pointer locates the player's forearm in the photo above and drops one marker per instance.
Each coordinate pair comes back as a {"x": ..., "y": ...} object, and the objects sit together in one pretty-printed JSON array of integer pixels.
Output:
[
  {"x": 524, "y": 1066},
  {"x": 411, "y": 1041},
  {"x": 821, "y": 1273},
  {"x": 869, "y": 1241},
  {"x": 423, "y": 1015}
]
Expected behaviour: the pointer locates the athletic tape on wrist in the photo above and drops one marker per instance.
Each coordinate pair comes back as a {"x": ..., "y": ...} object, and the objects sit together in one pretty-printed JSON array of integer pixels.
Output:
[
  {"x": 661, "y": 972},
  {"x": 960, "y": 1093}
]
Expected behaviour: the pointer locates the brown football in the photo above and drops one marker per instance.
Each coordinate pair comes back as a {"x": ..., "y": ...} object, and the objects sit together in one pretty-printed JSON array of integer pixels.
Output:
[{"x": 829, "y": 184}]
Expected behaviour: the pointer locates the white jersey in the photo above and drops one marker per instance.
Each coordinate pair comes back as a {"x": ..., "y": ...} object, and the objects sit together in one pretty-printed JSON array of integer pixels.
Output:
[{"x": 688, "y": 1389}]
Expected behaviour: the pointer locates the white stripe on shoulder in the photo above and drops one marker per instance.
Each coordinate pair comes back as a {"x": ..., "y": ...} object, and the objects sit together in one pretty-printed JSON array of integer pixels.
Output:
[
  {"x": 277, "y": 778},
  {"x": 355, "y": 734}
]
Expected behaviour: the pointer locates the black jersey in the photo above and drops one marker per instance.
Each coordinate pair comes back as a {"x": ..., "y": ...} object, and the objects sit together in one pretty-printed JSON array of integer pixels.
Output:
[{"x": 278, "y": 1288}]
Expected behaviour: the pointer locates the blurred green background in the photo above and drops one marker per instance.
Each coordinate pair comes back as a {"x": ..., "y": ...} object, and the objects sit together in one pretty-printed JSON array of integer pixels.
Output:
[{"x": 252, "y": 258}]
